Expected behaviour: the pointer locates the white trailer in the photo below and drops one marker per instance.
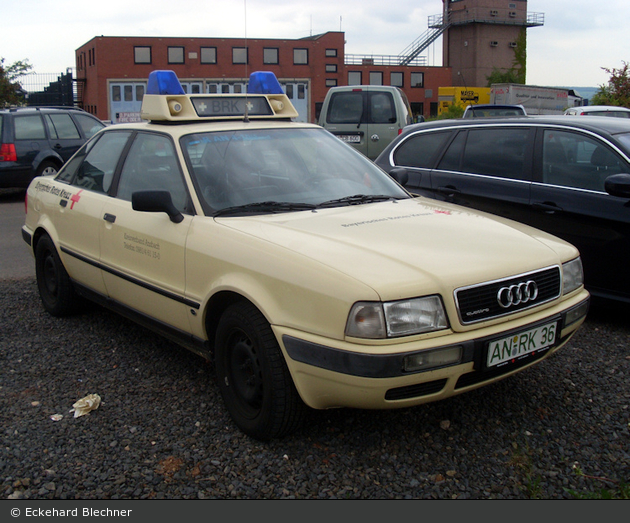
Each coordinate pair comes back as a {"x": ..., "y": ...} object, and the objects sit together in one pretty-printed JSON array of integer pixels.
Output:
[{"x": 535, "y": 99}]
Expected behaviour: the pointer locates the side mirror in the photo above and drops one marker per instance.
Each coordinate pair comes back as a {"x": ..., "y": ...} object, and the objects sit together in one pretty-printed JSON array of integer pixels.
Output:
[
  {"x": 618, "y": 185},
  {"x": 156, "y": 201},
  {"x": 400, "y": 175}
]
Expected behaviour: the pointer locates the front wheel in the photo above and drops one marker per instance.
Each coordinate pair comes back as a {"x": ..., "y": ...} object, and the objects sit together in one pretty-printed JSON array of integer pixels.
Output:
[
  {"x": 53, "y": 282},
  {"x": 252, "y": 375}
]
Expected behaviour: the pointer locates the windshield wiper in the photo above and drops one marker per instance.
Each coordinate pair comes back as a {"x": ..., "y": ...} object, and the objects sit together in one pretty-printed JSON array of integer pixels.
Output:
[
  {"x": 265, "y": 208},
  {"x": 357, "y": 199}
]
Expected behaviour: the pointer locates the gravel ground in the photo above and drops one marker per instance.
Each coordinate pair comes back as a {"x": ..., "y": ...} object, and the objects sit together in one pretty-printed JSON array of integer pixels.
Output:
[{"x": 161, "y": 431}]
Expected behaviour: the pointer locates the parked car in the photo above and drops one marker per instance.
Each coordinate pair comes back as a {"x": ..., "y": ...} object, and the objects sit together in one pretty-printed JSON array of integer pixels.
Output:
[
  {"x": 368, "y": 117},
  {"x": 493, "y": 110},
  {"x": 38, "y": 140},
  {"x": 599, "y": 110},
  {"x": 568, "y": 176},
  {"x": 298, "y": 266}
]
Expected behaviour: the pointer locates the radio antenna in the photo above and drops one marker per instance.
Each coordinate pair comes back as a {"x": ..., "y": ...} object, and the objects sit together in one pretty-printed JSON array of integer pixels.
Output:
[{"x": 246, "y": 115}]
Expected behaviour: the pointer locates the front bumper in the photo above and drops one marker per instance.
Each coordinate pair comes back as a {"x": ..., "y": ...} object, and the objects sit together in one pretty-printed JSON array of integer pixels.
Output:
[{"x": 329, "y": 376}]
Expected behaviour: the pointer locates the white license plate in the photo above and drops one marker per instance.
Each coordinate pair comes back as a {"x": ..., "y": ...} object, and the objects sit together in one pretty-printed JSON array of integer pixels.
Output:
[
  {"x": 350, "y": 138},
  {"x": 517, "y": 345}
]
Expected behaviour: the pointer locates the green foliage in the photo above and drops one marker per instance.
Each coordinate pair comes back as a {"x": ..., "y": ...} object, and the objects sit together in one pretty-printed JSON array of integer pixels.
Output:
[
  {"x": 453, "y": 111},
  {"x": 509, "y": 76},
  {"x": 517, "y": 73},
  {"x": 618, "y": 489},
  {"x": 617, "y": 91},
  {"x": 10, "y": 89}
]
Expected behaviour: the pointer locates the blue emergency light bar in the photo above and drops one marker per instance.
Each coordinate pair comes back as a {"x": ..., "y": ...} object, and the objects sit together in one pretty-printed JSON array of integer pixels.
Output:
[
  {"x": 264, "y": 82},
  {"x": 164, "y": 82},
  {"x": 166, "y": 100}
]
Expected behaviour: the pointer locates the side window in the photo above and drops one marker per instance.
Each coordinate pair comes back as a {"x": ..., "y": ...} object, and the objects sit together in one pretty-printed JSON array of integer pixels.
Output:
[
  {"x": 453, "y": 155},
  {"x": 345, "y": 108},
  {"x": 29, "y": 128},
  {"x": 152, "y": 165},
  {"x": 496, "y": 152},
  {"x": 93, "y": 167},
  {"x": 61, "y": 126},
  {"x": 88, "y": 125},
  {"x": 420, "y": 150},
  {"x": 382, "y": 109},
  {"x": 576, "y": 160}
]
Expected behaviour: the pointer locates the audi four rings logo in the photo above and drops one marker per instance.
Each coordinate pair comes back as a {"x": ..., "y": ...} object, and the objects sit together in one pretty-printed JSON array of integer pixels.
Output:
[{"x": 523, "y": 292}]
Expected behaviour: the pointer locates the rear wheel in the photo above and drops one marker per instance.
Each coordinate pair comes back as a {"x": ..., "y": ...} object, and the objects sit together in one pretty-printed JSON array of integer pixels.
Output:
[
  {"x": 46, "y": 168},
  {"x": 252, "y": 375},
  {"x": 53, "y": 282}
]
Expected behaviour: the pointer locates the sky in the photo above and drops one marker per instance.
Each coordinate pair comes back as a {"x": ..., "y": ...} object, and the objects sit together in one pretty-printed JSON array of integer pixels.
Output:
[{"x": 578, "y": 39}]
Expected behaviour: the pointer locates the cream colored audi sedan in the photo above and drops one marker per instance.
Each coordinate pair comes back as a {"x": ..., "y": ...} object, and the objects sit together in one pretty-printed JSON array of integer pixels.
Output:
[{"x": 307, "y": 274}]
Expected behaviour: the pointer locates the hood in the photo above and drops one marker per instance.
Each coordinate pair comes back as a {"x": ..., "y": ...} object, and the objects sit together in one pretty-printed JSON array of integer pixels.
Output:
[{"x": 409, "y": 247}]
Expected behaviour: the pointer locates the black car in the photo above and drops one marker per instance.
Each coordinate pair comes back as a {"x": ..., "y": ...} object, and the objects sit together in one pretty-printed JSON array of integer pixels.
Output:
[
  {"x": 39, "y": 140},
  {"x": 569, "y": 176}
]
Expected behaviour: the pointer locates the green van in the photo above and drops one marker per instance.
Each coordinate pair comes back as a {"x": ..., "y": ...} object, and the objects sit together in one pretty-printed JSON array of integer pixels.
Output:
[{"x": 367, "y": 117}]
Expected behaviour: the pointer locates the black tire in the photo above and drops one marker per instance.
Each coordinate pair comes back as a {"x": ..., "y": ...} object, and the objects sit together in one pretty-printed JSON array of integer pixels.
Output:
[
  {"x": 55, "y": 288},
  {"x": 253, "y": 377},
  {"x": 47, "y": 167}
]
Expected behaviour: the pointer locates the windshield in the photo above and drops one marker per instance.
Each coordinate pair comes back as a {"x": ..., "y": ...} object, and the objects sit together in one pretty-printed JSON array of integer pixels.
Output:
[{"x": 299, "y": 168}]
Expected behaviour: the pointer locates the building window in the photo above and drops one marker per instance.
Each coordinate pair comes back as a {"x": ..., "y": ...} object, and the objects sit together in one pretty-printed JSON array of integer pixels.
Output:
[
  {"x": 376, "y": 78},
  {"x": 208, "y": 55},
  {"x": 331, "y": 68},
  {"x": 354, "y": 78},
  {"x": 417, "y": 79},
  {"x": 175, "y": 55},
  {"x": 270, "y": 55},
  {"x": 331, "y": 53},
  {"x": 142, "y": 55},
  {"x": 331, "y": 82},
  {"x": 300, "y": 56},
  {"x": 397, "y": 79},
  {"x": 239, "y": 55}
]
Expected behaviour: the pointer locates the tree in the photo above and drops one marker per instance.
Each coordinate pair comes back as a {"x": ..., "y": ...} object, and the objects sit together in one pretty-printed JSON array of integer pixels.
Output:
[
  {"x": 10, "y": 89},
  {"x": 617, "y": 91}
]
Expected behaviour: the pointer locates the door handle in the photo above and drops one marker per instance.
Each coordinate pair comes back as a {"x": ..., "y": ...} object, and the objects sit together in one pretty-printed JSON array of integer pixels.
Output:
[
  {"x": 449, "y": 190},
  {"x": 547, "y": 207},
  {"x": 109, "y": 218}
]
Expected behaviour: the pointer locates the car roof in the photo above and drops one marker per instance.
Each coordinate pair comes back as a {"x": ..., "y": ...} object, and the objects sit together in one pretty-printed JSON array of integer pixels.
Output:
[
  {"x": 588, "y": 108},
  {"x": 600, "y": 124}
]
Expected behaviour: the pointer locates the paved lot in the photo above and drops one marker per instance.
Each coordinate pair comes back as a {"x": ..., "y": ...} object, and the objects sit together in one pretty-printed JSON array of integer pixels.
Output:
[{"x": 15, "y": 258}]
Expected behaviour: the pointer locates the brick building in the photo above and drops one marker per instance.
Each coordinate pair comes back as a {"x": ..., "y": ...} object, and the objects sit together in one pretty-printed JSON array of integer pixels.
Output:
[
  {"x": 477, "y": 37},
  {"x": 111, "y": 72}
]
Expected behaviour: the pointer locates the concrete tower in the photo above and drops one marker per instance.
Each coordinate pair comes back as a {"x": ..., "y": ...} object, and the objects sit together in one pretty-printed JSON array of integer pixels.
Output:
[{"x": 481, "y": 35}]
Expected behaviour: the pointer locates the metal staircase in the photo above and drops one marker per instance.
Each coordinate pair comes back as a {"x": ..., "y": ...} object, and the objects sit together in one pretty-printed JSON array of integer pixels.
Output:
[{"x": 437, "y": 25}]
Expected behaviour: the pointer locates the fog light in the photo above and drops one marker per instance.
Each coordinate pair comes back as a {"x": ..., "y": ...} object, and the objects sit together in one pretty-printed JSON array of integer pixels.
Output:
[
  {"x": 432, "y": 358},
  {"x": 575, "y": 314}
]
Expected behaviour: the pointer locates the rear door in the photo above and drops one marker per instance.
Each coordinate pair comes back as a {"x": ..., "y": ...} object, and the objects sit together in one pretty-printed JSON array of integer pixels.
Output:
[
  {"x": 382, "y": 124},
  {"x": 569, "y": 201},
  {"x": 65, "y": 138},
  {"x": 346, "y": 117}
]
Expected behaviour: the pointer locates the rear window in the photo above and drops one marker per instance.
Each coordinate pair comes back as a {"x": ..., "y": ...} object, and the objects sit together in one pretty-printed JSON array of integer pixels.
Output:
[
  {"x": 62, "y": 127},
  {"x": 345, "y": 108}
]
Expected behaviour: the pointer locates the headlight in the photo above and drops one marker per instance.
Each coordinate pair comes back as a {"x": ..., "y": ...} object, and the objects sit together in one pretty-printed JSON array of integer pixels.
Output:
[
  {"x": 572, "y": 275},
  {"x": 377, "y": 320}
]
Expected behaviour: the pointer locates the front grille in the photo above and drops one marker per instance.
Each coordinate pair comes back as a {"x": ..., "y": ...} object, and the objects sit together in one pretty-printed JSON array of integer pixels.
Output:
[{"x": 479, "y": 302}]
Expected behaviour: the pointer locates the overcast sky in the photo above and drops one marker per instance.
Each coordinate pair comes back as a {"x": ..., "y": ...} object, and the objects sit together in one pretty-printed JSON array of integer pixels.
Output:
[{"x": 578, "y": 38}]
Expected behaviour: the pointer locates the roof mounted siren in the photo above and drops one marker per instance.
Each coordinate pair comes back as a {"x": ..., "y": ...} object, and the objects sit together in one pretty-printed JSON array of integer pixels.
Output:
[{"x": 166, "y": 101}]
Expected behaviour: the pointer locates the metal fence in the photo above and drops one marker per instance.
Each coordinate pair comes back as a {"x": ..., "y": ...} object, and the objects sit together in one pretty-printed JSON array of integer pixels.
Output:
[{"x": 48, "y": 88}]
